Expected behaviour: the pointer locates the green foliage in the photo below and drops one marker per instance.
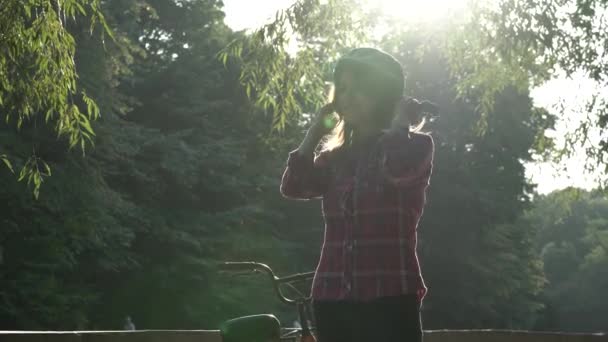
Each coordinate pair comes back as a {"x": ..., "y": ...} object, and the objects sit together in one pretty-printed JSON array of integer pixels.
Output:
[
  {"x": 532, "y": 41},
  {"x": 6, "y": 162},
  {"x": 282, "y": 82},
  {"x": 38, "y": 75},
  {"x": 572, "y": 230},
  {"x": 54, "y": 248},
  {"x": 33, "y": 171}
]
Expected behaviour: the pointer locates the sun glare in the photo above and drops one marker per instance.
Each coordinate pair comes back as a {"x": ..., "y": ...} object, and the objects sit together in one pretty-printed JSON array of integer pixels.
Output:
[{"x": 418, "y": 10}]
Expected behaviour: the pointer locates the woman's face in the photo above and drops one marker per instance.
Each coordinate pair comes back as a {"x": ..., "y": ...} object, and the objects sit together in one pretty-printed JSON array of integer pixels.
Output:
[{"x": 354, "y": 106}]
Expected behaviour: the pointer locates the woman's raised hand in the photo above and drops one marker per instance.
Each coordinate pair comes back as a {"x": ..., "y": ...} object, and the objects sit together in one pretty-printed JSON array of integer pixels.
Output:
[
  {"x": 322, "y": 124},
  {"x": 323, "y": 121}
]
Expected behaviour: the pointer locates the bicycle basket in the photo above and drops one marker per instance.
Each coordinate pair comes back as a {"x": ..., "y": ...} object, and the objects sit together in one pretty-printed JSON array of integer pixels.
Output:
[{"x": 255, "y": 328}]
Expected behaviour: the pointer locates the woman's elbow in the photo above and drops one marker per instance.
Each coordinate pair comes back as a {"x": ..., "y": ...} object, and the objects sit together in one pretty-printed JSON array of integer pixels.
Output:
[
  {"x": 287, "y": 191},
  {"x": 295, "y": 186},
  {"x": 293, "y": 192}
]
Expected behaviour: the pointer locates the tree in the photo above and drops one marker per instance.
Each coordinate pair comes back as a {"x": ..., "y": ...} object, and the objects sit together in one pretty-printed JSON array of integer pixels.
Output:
[
  {"x": 537, "y": 40},
  {"x": 55, "y": 249},
  {"x": 571, "y": 240},
  {"x": 38, "y": 82},
  {"x": 188, "y": 160},
  {"x": 180, "y": 178},
  {"x": 283, "y": 83}
]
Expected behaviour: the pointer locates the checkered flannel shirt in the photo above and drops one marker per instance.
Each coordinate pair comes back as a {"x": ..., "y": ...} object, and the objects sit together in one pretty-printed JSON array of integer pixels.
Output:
[{"x": 372, "y": 200}]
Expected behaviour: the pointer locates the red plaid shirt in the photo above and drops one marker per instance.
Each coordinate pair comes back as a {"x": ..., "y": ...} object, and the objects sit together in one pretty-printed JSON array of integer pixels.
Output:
[{"x": 373, "y": 198}]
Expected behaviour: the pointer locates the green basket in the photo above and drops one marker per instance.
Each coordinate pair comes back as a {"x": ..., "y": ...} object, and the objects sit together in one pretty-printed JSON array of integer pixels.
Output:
[{"x": 256, "y": 328}]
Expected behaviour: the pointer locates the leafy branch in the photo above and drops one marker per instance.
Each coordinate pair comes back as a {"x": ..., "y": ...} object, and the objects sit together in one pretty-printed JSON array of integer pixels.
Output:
[{"x": 38, "y": 73}]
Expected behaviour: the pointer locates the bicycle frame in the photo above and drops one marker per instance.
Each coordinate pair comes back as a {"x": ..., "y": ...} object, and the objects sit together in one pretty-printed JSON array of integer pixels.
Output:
[{"x": 302, "y": 303}]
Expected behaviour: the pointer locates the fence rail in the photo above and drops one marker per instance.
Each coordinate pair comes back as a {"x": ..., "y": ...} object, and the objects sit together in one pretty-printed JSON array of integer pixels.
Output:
[{"x": 213, "y": 336}]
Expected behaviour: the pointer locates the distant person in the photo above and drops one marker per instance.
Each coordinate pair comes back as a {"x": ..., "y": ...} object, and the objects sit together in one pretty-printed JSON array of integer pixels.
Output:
[
  {"x": 372, "y": 174},
  {"x": 129, "y": 324}
]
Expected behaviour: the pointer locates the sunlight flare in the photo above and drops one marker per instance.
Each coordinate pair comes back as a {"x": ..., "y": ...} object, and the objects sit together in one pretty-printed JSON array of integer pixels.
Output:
[{"x": 418, "y": 10}]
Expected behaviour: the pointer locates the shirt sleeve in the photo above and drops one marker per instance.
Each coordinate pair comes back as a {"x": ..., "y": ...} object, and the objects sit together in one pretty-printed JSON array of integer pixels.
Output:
[
  {"x": 305, "y": 177},
  {"x": 410, "y": 163}
]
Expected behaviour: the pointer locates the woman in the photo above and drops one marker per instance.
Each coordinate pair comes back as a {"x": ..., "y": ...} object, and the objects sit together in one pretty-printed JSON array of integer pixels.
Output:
[{"x": 372, "y": 175}]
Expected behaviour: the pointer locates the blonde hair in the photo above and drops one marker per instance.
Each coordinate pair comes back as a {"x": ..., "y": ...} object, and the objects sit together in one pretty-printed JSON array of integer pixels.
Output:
[{"x": 338, "y": 136}]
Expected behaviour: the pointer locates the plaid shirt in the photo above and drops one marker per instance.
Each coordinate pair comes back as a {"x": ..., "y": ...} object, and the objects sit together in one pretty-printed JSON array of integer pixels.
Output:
[{"x": 373, "y": 198}]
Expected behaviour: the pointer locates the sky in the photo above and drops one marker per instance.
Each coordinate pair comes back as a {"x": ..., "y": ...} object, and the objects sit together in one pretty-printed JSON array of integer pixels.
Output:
[
  {"x": 245, "y": 14},
  {"x": 248, "y": 14}
]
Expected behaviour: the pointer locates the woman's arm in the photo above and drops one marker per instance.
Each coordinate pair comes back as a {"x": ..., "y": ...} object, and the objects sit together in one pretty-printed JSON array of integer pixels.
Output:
[
  {"x": 305, "y": 176},
  {"x": 410, "y": 164}
]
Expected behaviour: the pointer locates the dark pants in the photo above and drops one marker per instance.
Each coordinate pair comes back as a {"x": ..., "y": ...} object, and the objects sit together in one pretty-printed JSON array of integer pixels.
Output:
[{"x": 387, "y": 319}]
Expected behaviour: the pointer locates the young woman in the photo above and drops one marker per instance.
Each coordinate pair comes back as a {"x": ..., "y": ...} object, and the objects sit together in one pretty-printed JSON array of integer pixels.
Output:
[{"x": 372, "y": 174}]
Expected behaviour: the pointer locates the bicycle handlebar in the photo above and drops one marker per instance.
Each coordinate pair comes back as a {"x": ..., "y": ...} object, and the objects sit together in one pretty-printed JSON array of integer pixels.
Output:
[{"x": 256, "y": 267}]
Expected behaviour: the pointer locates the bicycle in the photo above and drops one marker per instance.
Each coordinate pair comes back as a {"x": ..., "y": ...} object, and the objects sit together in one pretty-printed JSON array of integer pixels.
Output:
[{"x": 266, "y": 327}]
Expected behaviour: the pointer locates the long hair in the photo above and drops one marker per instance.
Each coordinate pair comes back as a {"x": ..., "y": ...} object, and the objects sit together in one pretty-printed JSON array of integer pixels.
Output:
[{"x": 341, "y": 132}]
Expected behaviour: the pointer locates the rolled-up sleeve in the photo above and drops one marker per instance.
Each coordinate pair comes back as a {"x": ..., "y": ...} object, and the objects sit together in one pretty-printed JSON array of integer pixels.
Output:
[
  {"x": 410, "y": 164},
  {"x": 305, "y": 177}
]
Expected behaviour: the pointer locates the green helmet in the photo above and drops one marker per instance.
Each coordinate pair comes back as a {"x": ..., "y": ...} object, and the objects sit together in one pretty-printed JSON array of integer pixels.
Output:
[{"x": 378, "y": 72}]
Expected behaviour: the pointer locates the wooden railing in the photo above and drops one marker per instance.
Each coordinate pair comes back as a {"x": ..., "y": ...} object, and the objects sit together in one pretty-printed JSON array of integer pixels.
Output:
[{"x": 213, "y": 336}]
